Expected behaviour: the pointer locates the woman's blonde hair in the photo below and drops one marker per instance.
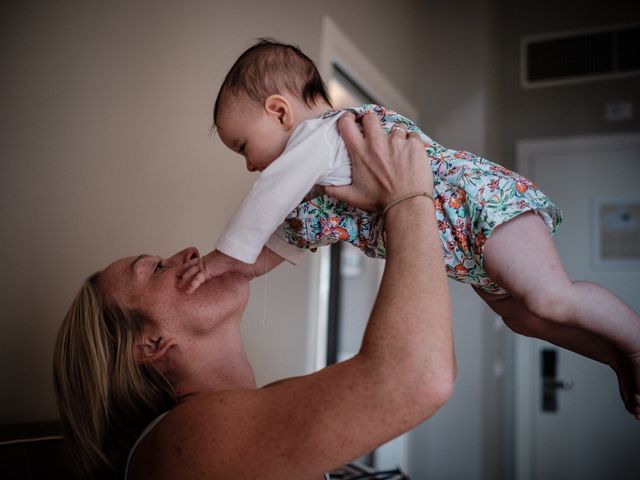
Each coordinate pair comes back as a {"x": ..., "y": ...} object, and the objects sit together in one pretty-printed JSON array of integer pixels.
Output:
[{"x": 105, "y": 396}]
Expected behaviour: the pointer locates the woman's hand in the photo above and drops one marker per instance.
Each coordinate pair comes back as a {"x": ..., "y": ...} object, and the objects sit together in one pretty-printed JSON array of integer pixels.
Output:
[{"x": 384, "y": 167}]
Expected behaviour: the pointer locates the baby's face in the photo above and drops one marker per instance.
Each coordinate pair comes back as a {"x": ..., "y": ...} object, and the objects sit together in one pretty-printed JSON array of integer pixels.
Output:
[{"x": 245, "y": 128}]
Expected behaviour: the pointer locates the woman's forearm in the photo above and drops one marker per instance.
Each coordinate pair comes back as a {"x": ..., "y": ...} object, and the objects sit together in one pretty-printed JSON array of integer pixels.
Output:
[{"x": 409, "y": 339}]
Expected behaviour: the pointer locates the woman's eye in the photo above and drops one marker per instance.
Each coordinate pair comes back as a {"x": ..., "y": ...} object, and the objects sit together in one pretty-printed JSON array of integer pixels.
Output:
[
  {"x": 241, "y": 149},
  {"x": 159, "y": 267}
]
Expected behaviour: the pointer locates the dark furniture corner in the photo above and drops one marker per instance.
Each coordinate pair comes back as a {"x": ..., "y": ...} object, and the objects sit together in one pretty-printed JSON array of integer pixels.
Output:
[{"x": 33, "y": 451}]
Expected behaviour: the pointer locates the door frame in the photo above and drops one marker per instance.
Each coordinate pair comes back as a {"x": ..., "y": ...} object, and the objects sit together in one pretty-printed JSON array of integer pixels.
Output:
[
  {"x": 525, "y": 354},
  {"x": 337, "y": 49}
]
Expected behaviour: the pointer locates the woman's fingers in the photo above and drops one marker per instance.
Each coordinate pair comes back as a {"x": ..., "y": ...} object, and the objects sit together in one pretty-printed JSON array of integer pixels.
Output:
[
  {"x": 373, "y": 131},
  {"x": 366, "y": 182},
  {"x": 350, "y": 132},
  {"x": 344, "y": 193},
  {"x": 398, "y": 131},
  {"x": 384, "y": 167}
]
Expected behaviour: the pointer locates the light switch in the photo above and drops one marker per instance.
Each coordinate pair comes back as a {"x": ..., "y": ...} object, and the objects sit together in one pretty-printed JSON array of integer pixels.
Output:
[{"x": 618, "y": 111}]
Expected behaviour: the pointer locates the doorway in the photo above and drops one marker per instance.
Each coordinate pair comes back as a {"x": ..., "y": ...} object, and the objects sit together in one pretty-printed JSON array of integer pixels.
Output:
[
  {"x": 349, "y": 280},
  {"x": 580, "y": 429}
]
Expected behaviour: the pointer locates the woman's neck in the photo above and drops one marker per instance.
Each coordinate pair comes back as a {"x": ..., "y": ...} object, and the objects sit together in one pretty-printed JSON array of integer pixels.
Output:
[{"x": 214, "y": 362}]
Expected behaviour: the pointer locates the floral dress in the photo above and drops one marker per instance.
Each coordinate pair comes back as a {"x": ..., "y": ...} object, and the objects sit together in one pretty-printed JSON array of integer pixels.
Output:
[{"x": 472, "y": 197}]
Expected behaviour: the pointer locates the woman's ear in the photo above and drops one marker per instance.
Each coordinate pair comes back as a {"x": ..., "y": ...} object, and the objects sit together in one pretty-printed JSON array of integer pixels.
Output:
[
  {"x": 279, "y": 108},
  {"x": 153, "y": 349}
]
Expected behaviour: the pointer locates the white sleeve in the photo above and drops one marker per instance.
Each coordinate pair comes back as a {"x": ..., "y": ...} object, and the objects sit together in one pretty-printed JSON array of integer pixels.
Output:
[{"x": 277, "y": 191}]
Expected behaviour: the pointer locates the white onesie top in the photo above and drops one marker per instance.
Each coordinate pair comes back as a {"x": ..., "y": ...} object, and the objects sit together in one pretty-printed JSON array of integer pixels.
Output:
[{"x": 315, "y": 155}]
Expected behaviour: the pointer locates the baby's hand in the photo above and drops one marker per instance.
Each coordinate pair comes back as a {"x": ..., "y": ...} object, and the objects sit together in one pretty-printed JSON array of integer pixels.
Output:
[{"x": 198, "y": 270}]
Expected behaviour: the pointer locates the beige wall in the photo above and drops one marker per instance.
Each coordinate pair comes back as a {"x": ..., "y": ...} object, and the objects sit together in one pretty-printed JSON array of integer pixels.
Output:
[{"x": 106, "y": 152}]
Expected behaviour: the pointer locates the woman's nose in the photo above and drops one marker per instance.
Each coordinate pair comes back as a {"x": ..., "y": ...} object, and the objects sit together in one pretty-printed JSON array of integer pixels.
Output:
[{"x": 183, "y": 256}]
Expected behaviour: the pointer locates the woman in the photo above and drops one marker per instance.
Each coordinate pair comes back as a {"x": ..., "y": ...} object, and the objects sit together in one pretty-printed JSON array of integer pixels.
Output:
[{"x": 135, "y": 346}]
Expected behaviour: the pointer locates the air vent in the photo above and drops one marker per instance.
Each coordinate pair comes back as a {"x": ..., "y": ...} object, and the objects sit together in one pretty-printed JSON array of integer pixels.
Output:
[{"x": 580, "y": 56}]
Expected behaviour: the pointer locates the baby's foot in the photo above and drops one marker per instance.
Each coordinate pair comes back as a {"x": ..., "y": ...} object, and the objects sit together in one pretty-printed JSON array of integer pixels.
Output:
[
  {"x": 634, "y": 394},
  {"x": 629, "y": 381}
]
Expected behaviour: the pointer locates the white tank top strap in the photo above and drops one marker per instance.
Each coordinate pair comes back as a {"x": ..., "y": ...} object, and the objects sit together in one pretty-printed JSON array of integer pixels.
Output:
[{"x": 142, "y": 435}]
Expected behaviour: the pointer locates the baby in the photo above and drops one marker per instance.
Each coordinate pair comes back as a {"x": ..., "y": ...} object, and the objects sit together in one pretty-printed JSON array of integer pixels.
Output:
[{"x": 495, "y": 226}]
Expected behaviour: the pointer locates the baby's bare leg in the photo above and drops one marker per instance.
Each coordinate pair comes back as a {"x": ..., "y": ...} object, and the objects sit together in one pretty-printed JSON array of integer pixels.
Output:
[
  {"x": 521, "y": 257},
  {"x": 580, "y": 341},
  {"x": 523, "y": 322}
]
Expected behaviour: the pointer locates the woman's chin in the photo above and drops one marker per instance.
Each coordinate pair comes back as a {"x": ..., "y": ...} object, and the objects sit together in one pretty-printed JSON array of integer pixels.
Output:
[{"x": 230, "y": 283}]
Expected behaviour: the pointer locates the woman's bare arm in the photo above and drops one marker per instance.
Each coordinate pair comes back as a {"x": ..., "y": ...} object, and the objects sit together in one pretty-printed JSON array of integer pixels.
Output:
[{"x": 404, "y": 372}]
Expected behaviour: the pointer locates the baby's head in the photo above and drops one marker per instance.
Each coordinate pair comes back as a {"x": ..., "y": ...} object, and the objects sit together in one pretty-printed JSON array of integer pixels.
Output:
[{"x": 270, "y": 89}]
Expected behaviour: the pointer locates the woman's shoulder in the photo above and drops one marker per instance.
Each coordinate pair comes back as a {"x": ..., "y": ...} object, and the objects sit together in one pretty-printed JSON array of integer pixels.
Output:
[
  {"x": 272, "y": 432},
  {"x": 206, "y": 433},
  {"x": 169, "y": 443}
]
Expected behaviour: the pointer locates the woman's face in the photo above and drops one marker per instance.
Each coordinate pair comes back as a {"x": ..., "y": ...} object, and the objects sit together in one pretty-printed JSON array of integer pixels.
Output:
[{"x": 149, "y": 284}]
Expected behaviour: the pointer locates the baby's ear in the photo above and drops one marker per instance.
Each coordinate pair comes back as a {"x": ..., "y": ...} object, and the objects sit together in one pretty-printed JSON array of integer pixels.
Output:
[{"x": 280, "y": 108}]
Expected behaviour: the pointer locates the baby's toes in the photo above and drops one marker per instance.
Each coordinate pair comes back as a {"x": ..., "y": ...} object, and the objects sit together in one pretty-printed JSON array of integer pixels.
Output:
[{"x": 627, "y": 391}]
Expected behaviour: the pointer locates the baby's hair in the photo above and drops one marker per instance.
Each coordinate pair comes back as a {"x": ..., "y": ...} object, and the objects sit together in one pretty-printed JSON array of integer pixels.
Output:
[{"x": 269, "y": 67}]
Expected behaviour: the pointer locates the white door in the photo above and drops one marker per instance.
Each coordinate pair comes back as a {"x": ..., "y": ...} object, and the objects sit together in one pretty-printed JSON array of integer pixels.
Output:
[{"x": 587, "y": 434}]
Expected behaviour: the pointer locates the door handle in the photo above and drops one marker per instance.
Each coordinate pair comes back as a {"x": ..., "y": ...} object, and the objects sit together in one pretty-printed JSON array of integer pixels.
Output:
[
  {"x": 550, "y": 383},
  {"x": 557, "y": 384}
]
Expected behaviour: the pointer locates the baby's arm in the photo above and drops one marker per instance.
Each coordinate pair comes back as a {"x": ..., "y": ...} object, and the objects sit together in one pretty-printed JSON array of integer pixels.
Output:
[
  {"x": 266, "y": 261},
  {"x": 276, "y": 192},
  {"x": 199, "y": 270}
]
